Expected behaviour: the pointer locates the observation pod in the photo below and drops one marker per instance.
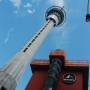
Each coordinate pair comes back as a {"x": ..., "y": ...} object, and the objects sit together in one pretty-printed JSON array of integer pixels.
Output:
[{"x": 57, "y": 14}]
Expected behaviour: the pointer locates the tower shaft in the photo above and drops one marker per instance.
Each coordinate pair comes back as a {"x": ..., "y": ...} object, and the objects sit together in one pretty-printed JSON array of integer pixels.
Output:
[
  {"x": 18, "y": 63},
  {"x": 12, "y": 71}
]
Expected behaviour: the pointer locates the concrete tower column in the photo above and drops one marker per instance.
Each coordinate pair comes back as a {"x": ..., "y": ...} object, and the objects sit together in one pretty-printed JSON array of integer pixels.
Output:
[{"x": 10, "y": 74}]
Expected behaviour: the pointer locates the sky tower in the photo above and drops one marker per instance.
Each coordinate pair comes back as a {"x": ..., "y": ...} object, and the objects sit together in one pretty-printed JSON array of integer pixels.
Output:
[{"x": 11, "y": 72}]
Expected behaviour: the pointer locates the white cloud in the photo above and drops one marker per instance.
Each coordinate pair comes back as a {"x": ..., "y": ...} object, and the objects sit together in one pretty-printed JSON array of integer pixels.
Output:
[
  {"x": 29, "y": 8},
  {"x": 36, "y": 1},
  {"x": 30, "y": 11},
  {"x": 8, "y": 35},
  {"x": 28, "y": 5},
  {"x": 15, "y": 12},
  {"x": 16, "y": 3},
  {"x": 57, "y": 2},
  {"x": 25, "y": 10}
]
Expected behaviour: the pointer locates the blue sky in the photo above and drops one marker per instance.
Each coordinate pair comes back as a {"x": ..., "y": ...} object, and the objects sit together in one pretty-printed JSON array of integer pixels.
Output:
[{"x": 20, "y": 19}]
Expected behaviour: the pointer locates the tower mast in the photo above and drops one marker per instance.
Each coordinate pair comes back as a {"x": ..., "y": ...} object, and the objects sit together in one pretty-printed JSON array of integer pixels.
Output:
[{"x": 12, "y": 71}]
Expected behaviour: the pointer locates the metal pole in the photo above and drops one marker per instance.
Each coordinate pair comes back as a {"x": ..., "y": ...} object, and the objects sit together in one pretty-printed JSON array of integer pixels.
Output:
[{"x": 53, "y": 74}]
